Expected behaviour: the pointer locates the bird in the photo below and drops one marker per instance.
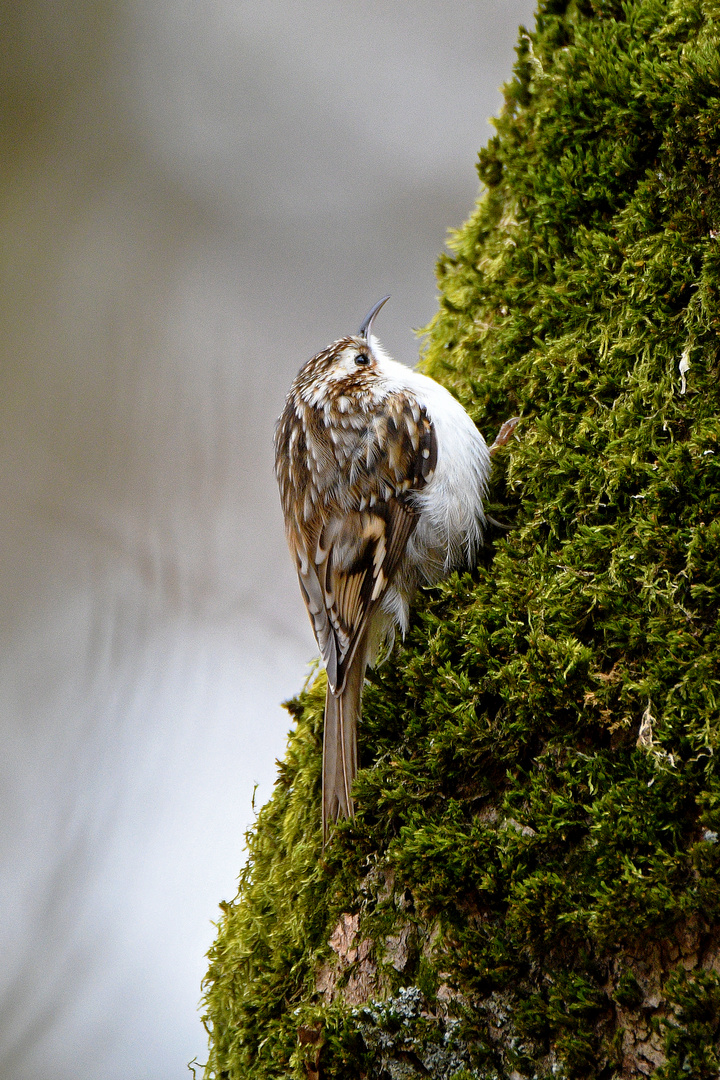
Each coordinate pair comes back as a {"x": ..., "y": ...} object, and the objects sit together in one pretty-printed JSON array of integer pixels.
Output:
[{"x": 382, "y": 476}]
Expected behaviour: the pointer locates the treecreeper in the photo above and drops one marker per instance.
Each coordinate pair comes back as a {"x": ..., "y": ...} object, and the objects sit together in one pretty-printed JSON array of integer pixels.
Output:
[{"x": 382, "y": 477}]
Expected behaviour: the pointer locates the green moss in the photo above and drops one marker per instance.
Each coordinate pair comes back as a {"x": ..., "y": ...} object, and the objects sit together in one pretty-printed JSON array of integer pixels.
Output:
[
  {"x": 691, "y": 1034},
  {"x": 535, "y": 851}
]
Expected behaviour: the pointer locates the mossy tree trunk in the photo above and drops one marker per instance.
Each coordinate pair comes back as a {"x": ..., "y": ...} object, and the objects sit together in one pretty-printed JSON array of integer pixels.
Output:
[{"x": 532, "y": 884}]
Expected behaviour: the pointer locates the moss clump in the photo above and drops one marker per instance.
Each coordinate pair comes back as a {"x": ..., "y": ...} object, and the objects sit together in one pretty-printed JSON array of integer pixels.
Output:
[{"x": 535, "y": 860}]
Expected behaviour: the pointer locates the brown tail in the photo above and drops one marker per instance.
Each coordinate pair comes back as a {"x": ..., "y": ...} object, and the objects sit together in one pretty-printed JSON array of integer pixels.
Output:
[{"x": 342, "y": 712}]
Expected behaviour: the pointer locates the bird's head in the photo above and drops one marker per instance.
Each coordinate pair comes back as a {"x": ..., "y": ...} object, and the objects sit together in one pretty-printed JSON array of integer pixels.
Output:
[{"x": 348, "y": 364}]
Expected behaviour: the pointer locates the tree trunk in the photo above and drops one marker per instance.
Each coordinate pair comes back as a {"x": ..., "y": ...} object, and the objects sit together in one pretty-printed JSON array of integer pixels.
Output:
[{"x": 531, "y": 885}]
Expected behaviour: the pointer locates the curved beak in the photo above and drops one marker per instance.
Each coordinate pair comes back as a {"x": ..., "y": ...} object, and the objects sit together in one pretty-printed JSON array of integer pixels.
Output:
[{"x": 366, "y": 325}]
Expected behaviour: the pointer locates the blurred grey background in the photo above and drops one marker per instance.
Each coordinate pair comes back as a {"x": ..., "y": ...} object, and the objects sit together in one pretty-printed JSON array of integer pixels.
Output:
[{"x": 195, "y": 198}]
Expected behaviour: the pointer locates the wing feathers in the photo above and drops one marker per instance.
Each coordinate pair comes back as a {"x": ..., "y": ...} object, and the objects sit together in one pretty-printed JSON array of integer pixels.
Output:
[{"x": 349, "y": 546}]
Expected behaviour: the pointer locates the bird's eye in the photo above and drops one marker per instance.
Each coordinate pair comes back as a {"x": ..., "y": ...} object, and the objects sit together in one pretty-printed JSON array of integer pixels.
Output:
[{"x": 361, "y": 358}]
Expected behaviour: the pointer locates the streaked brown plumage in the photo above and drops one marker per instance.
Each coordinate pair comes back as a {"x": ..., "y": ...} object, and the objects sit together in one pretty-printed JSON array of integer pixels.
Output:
[{"x": 374, "y": 503}]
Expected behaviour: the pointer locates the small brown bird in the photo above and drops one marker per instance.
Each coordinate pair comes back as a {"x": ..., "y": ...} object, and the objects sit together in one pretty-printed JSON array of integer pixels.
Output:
[{"x": 382, "y": 477}]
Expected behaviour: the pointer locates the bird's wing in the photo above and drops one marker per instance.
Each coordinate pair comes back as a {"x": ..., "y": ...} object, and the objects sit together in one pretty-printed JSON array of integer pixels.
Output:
[{"x": 347, "y": 556}]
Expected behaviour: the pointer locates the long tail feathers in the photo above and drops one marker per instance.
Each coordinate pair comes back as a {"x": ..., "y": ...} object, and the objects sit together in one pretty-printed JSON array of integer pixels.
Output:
[{"x": 342, "y": 712}]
